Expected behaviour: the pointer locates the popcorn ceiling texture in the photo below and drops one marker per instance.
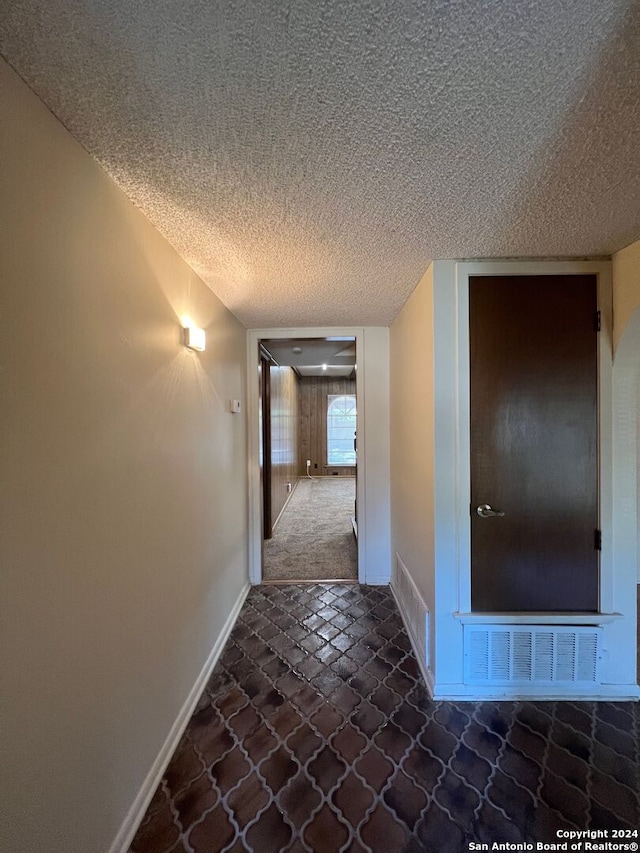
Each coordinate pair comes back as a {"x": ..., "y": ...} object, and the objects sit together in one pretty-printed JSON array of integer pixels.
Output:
[{"x": 308, "y": 159}]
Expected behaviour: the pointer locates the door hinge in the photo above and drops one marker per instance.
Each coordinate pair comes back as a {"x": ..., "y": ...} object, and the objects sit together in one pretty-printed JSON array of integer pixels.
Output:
[
  {"x": 597, "y": 321},
  {"x": 597, "y": 540}
]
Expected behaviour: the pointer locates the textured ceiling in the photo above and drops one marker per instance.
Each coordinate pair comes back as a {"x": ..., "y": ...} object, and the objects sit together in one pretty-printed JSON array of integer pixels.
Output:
[{"x": 308, "y": 159}]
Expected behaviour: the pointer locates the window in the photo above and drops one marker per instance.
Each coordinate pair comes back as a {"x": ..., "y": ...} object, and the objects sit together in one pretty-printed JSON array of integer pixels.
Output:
[{"x": 341, "y": 429}]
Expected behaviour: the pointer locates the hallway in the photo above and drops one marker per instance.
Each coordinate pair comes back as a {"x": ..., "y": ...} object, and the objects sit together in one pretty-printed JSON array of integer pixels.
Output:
[
  {"x": 316, "y": 733},
  {"x": 182, "y": 182}
]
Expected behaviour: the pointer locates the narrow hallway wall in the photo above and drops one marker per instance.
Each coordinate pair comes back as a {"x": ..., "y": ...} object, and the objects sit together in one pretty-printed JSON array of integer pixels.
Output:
[
  {"x": 412, "y": 443},
  {"x": 626, "y": 310},
  {"x": 626, "y": 289},
  {"x": 124, "y": 526}
]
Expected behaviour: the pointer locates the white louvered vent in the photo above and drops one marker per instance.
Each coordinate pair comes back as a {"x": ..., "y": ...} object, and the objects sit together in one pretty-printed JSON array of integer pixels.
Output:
[
  {"x": 531, "y": 654},
  {"x": 414, "y": 611}
]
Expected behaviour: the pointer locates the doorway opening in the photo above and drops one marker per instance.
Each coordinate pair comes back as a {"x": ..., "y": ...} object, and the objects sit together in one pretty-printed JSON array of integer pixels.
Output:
[{"x": 308, "y": 459}]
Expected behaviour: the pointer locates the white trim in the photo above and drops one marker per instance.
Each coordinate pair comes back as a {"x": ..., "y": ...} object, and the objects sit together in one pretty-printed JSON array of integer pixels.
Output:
[
  {"x": 430, "y": 681},
  {"x": 294, "y": 486},
  {"x": 401, "y": 577},
  {"x": 425, "y": 671},
  {"x": 452, "y": 469},
  {"x": 139, "y": 807},
  {"x": 479, "y": 693},
  {"x": 537, "y": 618},
  {"x": 464, "y": 270},
  {"x": 626, "y": 456},
  {"x": 330, "y": 476},
  {"x": 376, "y": 580}
]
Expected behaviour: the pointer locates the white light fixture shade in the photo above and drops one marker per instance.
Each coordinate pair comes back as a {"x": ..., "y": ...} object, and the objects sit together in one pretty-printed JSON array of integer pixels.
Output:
[{"x": 195, "y": 338}]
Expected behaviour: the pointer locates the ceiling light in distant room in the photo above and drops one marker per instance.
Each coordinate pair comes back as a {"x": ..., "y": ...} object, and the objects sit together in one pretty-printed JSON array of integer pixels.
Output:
[
  {"x": 195, "y": 338},
  {"x": 296, "y": 350},
  {"x": 324, "y": 366}
]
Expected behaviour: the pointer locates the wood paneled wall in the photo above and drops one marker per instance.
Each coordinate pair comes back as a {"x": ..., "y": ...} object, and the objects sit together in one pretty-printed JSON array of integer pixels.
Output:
[
  {"x": 284, "y": 436},
  {"x": 312, "y": 420}
]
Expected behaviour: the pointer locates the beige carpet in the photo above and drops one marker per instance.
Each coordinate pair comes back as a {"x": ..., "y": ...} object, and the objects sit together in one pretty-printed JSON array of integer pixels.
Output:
[{"x": 314, "y": 539}]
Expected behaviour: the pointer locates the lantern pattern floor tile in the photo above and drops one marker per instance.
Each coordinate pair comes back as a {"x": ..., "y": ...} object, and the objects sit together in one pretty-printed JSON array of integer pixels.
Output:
[{"x": 316, "y": 733}]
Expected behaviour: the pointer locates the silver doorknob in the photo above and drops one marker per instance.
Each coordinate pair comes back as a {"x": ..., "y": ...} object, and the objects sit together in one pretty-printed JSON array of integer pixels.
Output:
[{"x": 485, "y": 511}]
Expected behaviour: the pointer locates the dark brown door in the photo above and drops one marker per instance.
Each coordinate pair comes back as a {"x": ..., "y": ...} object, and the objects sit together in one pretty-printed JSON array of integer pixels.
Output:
[
  {"x": 265, "y": 444},
  {"x": 533, "y": 363}
]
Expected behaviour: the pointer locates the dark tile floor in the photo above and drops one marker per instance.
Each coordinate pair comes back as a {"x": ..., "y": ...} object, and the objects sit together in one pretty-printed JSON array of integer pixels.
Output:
[{"x": 316, "y": 733}]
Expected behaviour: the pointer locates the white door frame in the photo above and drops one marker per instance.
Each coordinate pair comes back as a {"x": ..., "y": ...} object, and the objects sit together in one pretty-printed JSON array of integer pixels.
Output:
[
  {"x": 366, "y": 573},
  {"x": 602, "y": 269},
  {"x": 452, "y": 490}
]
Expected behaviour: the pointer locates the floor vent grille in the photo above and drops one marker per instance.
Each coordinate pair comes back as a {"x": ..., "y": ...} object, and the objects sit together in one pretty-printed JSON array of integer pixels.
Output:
[
  {"x": 414, "y": 610},
  {"x": 538, "y": 654}
]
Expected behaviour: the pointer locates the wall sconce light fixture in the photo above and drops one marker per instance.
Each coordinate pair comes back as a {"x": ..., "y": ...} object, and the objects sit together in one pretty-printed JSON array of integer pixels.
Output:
[{"x": 195, "y": 338}]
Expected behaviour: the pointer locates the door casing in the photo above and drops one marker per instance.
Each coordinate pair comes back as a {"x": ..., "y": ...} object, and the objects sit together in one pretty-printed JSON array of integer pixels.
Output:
[
  {"x": 452, "y": 554},
  {"x": 514, "y": 268},
  {"x": 374, "y": 535}
]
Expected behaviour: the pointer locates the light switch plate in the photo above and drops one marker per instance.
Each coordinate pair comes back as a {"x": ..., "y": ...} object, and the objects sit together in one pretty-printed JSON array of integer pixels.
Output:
[{"x": 234, "y": 406}]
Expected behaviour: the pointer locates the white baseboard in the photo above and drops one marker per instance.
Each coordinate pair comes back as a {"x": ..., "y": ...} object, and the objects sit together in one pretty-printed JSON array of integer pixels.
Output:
[
  {"x": 425, "y": 671},
  {"x": 376, "y": 580},
  {"x": 327, "y": 477},
  {"x": 427, "y": 674},
  {"x": 139, "y": 807},
  {"x": 286, "y": 503}
]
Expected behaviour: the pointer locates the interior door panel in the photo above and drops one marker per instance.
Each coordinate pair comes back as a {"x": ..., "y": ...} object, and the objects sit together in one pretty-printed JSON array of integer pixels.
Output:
[{"x": 534, "y": 455}]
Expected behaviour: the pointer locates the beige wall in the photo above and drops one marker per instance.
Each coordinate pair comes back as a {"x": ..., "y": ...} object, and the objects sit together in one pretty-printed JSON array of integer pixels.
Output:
[
  {"x": 284, "y": 436},
  {"x": 312, "y": 444},
  {"x": 124, "y": 519},
  {"x": 626, "y": 305},
  {"x": 626, "y": 289},
  {"x": 412, "y": 437}
]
